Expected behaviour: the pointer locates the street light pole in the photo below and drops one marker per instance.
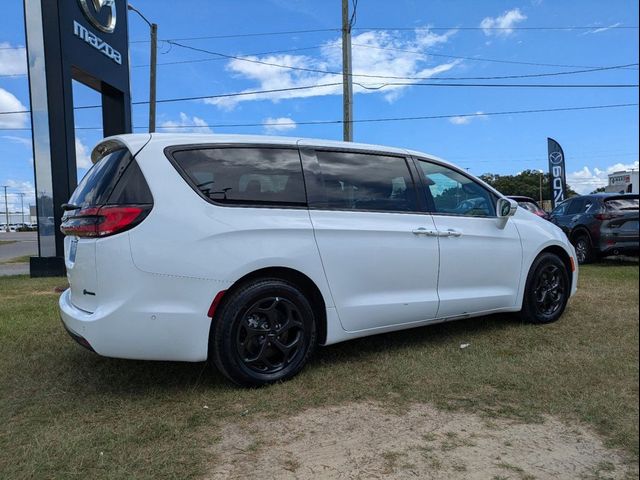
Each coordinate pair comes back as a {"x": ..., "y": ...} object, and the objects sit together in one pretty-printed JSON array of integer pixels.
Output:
[
  {"x": 22, "y": 206},
  {"x": 152, "y": 67},
  {"x": 6, "y": 207}
]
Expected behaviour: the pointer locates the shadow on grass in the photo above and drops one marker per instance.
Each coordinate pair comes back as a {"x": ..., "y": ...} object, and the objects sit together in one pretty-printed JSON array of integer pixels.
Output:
[
  {"x": 98, "y": 374},
  {"x": 616, "y": 262}
]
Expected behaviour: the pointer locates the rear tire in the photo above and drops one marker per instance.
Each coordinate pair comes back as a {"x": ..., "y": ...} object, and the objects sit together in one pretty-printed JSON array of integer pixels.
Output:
[
  {"x": 584, "y": 250},
  {"x": 547, "y": 290},
  {"x": 264, "y": 332}
]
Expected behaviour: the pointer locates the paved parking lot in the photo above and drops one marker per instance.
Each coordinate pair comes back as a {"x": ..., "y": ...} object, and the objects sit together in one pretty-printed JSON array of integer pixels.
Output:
[{"x": 22, "y": 243}]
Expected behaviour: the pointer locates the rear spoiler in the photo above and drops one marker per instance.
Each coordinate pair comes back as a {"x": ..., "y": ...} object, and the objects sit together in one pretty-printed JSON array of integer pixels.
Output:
[{"x": 132, "y": 142}]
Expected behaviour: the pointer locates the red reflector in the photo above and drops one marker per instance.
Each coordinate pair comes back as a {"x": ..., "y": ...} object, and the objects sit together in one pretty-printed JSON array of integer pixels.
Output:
[{"x": 215, "y": 303}]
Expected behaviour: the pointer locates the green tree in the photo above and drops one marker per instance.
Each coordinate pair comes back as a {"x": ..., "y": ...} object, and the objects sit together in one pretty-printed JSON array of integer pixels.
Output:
[{"x": 526, "y": 183}]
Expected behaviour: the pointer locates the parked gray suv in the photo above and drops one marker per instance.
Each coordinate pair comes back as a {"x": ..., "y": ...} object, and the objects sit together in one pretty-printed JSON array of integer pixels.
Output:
[{"x": 600, "y": 224}]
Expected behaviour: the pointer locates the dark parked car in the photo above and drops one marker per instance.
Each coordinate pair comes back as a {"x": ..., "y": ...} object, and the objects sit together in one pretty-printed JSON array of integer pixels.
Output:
[
  {"x": 530, "y": 204},
  {"x": 600, "y": 224}
]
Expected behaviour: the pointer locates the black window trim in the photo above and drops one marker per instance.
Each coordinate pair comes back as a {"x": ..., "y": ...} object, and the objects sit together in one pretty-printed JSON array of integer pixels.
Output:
[
  {"x": 170, "y": 150},
  {"x": 429, "y": 197},
  {"x": 312, "y": 170}
]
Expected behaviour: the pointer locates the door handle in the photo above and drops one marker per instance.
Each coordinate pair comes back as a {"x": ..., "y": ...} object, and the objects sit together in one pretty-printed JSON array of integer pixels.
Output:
[
  {"x": 425, "y": 232},
  {"x": 452, "y": 233}
]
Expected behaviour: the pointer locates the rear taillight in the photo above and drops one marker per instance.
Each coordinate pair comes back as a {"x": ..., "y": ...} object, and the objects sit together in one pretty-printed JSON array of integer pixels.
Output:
[
  {"x": 605, "y": 216},
  {"x": 104, "y": 221}
]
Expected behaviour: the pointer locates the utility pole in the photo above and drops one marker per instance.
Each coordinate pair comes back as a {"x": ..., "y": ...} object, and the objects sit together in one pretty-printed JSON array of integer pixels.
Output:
[
  {"x": 347, "y": 79},
  {"x": 541, "y": 174},
  {"x": 152, "y": 78},
  {"x": 6, "y": 207},
  {"x": 152, "y": 67}
]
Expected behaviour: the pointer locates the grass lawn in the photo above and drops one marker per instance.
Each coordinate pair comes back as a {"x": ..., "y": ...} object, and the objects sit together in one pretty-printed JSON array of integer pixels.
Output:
[
  {"x": 22, "y": 259},
  {"x": 7, "y": 242},
  {"x": 68, "y": 413}
]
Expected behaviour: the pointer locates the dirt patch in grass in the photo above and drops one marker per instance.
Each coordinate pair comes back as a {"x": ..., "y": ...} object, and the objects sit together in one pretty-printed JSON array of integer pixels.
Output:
[{"x": 365, "y": 440}]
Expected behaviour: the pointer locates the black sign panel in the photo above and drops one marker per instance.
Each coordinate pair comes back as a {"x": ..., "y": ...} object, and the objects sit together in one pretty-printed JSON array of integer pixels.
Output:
[{"x": 557, "y": 172}]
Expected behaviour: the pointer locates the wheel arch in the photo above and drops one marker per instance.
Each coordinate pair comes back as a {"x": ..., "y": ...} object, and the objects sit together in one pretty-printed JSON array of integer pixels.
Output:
[
  {"x": 578, "y": 231},
  {"x": 557, "y": 249},
  {"x": 563, "y": 255},
  {"x": 295, "y": 277}
]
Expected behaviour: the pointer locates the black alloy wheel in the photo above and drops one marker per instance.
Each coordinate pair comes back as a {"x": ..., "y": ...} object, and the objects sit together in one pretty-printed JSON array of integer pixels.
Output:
[
  {"x": 583, "y": 250},
  {"x": 263, "y": 332},
  {"x": 547, "y": 290},
  {"x": 270, "y": 335},
  {"x": 550, "y": 289}
]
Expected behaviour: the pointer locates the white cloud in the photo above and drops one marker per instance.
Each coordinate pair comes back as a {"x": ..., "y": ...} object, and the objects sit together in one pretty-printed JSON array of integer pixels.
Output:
[
  {"x": 13, "y": 197},
  {"x": 377, "y": 54},
  {"x": 587, "y": 180},
  {"x": 83, "y": 158},
  {"x": 465, "y": 120},
  {"x": 9, "y": 103},
  {"x": 602, "y": 29},
  {"x": 503, "y": 24},
  {"x": 186, "y": 124},
  {"x": 19, "y": 140},
  {"x": 12, "y": 61},
  {"x": 280, "y": 124}
]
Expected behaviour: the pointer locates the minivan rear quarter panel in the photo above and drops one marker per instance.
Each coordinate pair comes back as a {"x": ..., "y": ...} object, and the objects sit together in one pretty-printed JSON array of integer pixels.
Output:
[{"x": 224, "y": 242}]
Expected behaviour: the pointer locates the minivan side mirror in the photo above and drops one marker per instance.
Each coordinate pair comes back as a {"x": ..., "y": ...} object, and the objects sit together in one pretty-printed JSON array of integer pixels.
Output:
[{"x": 506, "y": 207}]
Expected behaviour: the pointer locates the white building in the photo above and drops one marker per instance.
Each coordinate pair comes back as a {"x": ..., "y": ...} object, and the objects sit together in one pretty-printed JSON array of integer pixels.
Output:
[{"x": 623, "y": 182}]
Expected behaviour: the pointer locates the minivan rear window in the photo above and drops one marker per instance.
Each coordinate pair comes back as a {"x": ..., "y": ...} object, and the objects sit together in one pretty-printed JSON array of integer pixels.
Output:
[
  {"x": 244, "y": 176},
  {"x": 96, "y": 186}
]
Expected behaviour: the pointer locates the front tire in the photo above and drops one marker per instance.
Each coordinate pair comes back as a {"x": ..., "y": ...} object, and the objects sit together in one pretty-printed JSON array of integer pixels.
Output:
[
  {"x": 546, "y": 291},
  {"x": 264, "y": 332}
]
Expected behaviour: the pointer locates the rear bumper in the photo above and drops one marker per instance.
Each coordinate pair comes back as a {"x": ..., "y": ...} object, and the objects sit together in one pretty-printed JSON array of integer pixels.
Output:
[
  {"x": 615, "y": 245},
  {"x": 134, "y": 331}
]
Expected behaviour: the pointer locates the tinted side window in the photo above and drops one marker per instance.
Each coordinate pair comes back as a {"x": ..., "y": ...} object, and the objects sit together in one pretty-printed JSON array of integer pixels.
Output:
[
  {"x": 356, "y": 181},
  {"x": 560, "y": 209},
  {"x": 456, "y": 194},
  {"x": 132, "y": 188},
  {"x": 245, "y": 176},
  {"x": 96, "y": 186},
  {"x": 576, "y": 206}
]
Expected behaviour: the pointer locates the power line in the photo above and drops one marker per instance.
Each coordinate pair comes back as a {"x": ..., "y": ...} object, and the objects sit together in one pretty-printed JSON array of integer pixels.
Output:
[
  {"x": 364, "y": 75},
  {"x": 476, "y": 59},
  {"x": 243, "y": 35},
  {"x": 400, "y": 29},
  {"x": 552, "y": 28},
  {"x": 367, "y": 87},
  {"x": 198, "y": 60},
  {"x": 376, "y": 120}
]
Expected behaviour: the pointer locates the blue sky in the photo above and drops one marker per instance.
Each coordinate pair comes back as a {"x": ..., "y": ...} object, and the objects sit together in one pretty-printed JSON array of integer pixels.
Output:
[{"x": 434, "y": 33}]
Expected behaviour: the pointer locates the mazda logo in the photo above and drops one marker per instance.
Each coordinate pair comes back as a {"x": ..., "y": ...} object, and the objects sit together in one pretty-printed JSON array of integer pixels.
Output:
[
  {"x": 92, "y": 10},
  {"x": 555, "y": 158}
]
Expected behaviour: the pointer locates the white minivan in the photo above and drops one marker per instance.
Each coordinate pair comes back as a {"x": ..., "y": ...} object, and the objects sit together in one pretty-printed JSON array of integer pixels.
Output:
[{"x": 249, "y": 251}]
